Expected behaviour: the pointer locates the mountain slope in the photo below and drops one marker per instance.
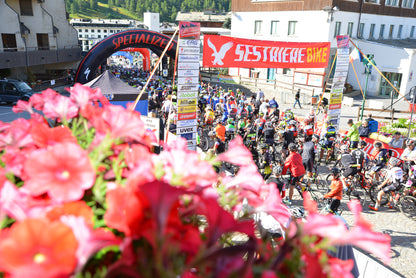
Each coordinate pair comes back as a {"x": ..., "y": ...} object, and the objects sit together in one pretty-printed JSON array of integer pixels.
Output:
[{"x": 135, "y": 8}]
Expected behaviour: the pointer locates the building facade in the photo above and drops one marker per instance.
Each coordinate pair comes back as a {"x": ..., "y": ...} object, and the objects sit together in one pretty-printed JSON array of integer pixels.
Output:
[
  {"x": 383, "y": 28},
  {"x": 37, "y": 37}
]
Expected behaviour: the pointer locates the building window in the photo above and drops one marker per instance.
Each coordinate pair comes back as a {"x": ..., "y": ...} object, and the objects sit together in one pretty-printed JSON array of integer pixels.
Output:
[
  {"x": 80, "y": 36},
  {"x": 350, "y": 27},
  {"x": 393, "y": 3},
  {"x": 273, "y": 27},
  {"x": 257, "y": 27},
  {"x": 287, "y": 71},
  {"x": 337, "y": 31},
  {"x": 26, "y": 7},
  {"x": 399, "y": 32},
  {"x": 105, "y": 31},
  {"x": 43, "y": 41},
  {"x": 99, "y": 36},
  {"x": 291, "y": 30},
  {"x": 99, "y": 30},
  {"x": 381, "y": 34},
  {"x": 372, "y": 28},
  {"x": 361, "y": 30},
  {"x": 408, "y": 4},
  {"x": 86, "y": 30},
  {"x": 9, "y": 42},
  {"x": 92, "y": 30},
  {"x": 412, "y": 32},
  {"x": 391, "y": 31}
]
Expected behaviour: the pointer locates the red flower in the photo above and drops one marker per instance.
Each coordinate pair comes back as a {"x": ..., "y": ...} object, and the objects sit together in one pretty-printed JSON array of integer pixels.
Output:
[
  {"x": 23, "y": 106},
  {"x": 38, "y": 247},
  {"x": 39, "y": 100},
  {"x": 44, "y": 136},
  {"x": 63, "y": 171},
  {"x": 237, "y": 153},
  {"x": 61, "y": 107},
  {"x": 78, "y": 208},
  {"x": 126, "y": 210}
]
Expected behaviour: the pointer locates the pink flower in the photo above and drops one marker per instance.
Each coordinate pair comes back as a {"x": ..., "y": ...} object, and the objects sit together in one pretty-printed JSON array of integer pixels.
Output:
[
  {"x": 82, "y": 95},
  {"x": 43, "y": 135},
  {"x": 237, "y": 153},
  {"x": 268, "y": 274},
  {"x": 61, "y": 107},
  {"x": 273, "y": 206},
  {"x": 341, "y": 268},
  {"x": 248, "y": 178},
  {"x": 23, "y": 106},
  {"x": 63, "y": 171},
  {"x": 39, "y": 100},
  {"x": 17, "y": 134},
  {"x": 89, "y": 241}
]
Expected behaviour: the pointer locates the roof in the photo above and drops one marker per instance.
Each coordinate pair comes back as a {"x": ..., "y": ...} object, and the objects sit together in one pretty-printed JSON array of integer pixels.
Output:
[{"x": 202, "y": 16}]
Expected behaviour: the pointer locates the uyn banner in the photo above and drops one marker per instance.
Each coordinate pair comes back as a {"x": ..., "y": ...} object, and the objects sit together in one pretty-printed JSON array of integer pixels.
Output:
[{"x": 222, "y": 51}]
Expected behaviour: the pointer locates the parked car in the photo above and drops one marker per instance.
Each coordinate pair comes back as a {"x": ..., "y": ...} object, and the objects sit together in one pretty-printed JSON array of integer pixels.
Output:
[{"x": 13, "y": 90}]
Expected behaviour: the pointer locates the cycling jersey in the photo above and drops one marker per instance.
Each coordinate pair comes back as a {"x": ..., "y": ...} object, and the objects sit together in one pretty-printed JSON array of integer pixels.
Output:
[
  {"x": 358, "y": 157},
  {"x": 382, "y": 157},
  {"x": 230, "y": 127}
]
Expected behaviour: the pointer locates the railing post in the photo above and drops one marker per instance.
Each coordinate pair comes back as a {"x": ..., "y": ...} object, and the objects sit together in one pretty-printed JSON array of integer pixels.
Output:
[
  {"x": 358, "y": 115},
  {"x": 392, "y": 115}
]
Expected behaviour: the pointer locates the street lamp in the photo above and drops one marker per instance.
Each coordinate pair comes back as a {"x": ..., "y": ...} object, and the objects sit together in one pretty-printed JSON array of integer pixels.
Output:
[{"x": 330, "y": 11}]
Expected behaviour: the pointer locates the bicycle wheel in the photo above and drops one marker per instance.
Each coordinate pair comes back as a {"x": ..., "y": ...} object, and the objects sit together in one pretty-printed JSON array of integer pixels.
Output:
[
  {"x": 407, "y": 206},
  {"x": 373, "y": 192},
  {"x": 357, "y": 193},
  {"x": 317, "y": 196}
]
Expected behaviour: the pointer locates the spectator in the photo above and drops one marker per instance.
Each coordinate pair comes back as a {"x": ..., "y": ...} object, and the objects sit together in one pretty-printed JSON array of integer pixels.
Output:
[
  {"x": 397, "y": 141},
  {"x": 364, "y": 130},
  {"x": 260, "y": 95},
  {"x": 352, "y": 134},
  {"x": 264, "y": 107},
  {"x": 297, "y": 97}
]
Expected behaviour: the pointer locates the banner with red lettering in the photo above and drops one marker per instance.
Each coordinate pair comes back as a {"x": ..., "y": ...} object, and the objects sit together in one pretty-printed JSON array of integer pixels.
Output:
[
  {"x": 222, "y": 52},
  {"x": 397, "y": 152}
]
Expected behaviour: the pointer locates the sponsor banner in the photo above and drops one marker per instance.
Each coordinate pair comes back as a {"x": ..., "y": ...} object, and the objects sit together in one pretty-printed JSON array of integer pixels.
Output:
[
  {"x": 188, "y": 66},
  {"x": 188, "y": 87},
  {"x": 187, "y": 101},
  {"x": 189, "y": 136},
  {"x": 335, "y": 106},
  {"x": 343, "y": 51},
  {"x": 188, "y": 58},
  {"x": 223, "y": 51},
  {"x": 152, "y": 124},
  {"x": 191, "y": 144},
  {"x": 186, "y": 116},
  {"x": 188, "y": 72},
  {"x": 188, "y": 50},
  {"x": 189, "y": 43},
  {"x": 334, "y": 112},
  {"x": 189, "y": 29},
  {"x": 343, "y": 41},
  {"x": 186, "y": 109},
  {"x": 190, "y": 80},
  {"x": 335, "y": 99},
  {"x": 339, "y": 74},
  {"x": 369, "y": 149},
  {"x": 186, "y": 129},
  {"x": 187, "y": 123},
  {"x": 187, "y": 95}
]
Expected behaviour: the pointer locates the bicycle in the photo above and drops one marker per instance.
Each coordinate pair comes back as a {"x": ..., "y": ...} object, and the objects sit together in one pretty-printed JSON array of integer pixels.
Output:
[
  {"x": 326, "y": 208},
  {"x": 320, "y": 183},
  {"x": 399, "y": 200}
]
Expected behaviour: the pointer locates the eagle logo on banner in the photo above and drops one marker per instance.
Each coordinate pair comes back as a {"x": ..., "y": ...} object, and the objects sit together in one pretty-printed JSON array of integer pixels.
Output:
[{"x": 219, "y": 55}]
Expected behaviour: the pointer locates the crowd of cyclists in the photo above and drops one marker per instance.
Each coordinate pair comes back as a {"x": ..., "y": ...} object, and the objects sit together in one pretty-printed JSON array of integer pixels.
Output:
[{"x": 288, "y": 149}]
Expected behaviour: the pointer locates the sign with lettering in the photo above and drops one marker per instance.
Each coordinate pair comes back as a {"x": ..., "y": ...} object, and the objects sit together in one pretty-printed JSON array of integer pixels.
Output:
[
  {"x": 186, "y": 116},
  {"x": 189, "y": 29},
  {"x": 187, "y": 101},
  {"x": 190, "y": 80},
  {"x": 186, "y": 129},
  {"x": 188, "y": 72},
  {"x": 223, "y": 51},
  {"x": 186, "y": 109},
  {"x": 187, "y": 95},
  {"x": 187, "y": 123}
]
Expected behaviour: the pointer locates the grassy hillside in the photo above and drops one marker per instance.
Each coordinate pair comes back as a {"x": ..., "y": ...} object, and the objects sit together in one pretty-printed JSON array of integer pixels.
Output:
[{"x": 103, "y": 11}]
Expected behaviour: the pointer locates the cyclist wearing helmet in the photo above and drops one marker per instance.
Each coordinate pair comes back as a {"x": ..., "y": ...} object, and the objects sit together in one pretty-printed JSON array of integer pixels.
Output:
[
  {"x": 328, "y": 134},
  {"x": 288, "y": 114},
  {"x": 359, "y": 155},
  {"x": 391, "y": 183},
  {"x": 409, "y": 155},
  {"x": 348, "y": 163},
  {"x": 220, "y": 131},
  {"x": 269, "y": 133},
  {"x": 293, "y": 163},
  {"x": 308, "y": 153},
  {"x": 275, "y": 178},
  {"x": 265, "y": 160},
  {"x": 381, "y": 158},
  {"x": 209, "y": 115},
  {"x": 230, "y": 126},
  {"x": 336, "y": 190}
]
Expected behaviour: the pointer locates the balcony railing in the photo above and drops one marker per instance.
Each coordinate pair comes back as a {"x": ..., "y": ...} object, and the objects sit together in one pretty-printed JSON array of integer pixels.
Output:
[{"x": 32, "y": 56}]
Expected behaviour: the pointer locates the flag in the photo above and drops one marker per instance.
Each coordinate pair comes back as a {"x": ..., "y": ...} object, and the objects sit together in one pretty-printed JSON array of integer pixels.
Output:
[{"x": 355, "y": 54}]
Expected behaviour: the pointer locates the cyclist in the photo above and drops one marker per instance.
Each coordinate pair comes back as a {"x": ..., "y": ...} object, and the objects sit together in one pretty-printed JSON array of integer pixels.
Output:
[
  {"x": 209, "y": 115},
  {"x": 308, "y": 153},
  {"x": 359, "y": 155},
  {"x": 269, "y": 134},
  {"x": 293, "y": 163},
  {"x": 230, "y": 126},
  {"x": 409, "y": 155},
  {"x": 328, "y": 134},
  {"x": 265, "y": 160},
  {"x": 336, "y": 191},
  {"x": 352, "y": 134},
  {"x": 348, "y": 163},
  {"x": 220, "y": 131},
  {"x": 381, "y": 158},
  {"x": 393, "y": 180},
  {"x": 275, "y": 178}
]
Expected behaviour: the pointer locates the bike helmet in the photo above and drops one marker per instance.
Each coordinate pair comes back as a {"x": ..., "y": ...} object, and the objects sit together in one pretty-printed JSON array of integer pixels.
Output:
[
  {"x": 335, "y": 171},
  {"x": 362, "y": 143},
  {"x": 297, "y": 212},
  {"x": 211, "y": 133},
  {"x": 230, "y": 121},
  {"x": 378, "y": 145},
  {"x": 277, "y": 170},
  {"x": 344, "y": 148},
  {"x": 393, "y": 161},
  {"x": 292, "y": 122},
  {"x": 287, "y": 110},
  {"x": 292, "y": 147},
  {"x": 262, "y": 146},
  {"x": 410, "y": 141},
  {"x": 315, "y": 136}
]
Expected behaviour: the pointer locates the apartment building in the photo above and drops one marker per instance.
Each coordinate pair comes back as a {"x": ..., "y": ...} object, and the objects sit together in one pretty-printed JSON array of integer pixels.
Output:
[
  {"x": 90, "y": 31},
  {"x": 383, "y": 28},
  {"x": 36, "y": 36}
]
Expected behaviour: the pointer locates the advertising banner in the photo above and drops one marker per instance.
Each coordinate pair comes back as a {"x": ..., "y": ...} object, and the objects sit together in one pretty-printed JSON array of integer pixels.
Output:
[
  {"x": 189, "y": 29},
  {"x": 186, "y": 66},
  {"x": 190, "y": 80},
  {"x": 187, "y": 101},
  {"x": 187, "y": 94},
  {"x": 188, "y": 72},
  {"x": 152, "y": 124},
  {"x": 184, "y": 123},
  {"x": 186, "y": 129},
  {"x": 186, "y": 109},
  {"x": 223, "y": 51},
  {"x": 186, "y": 116},
  {"x": 190, "y": 43}
]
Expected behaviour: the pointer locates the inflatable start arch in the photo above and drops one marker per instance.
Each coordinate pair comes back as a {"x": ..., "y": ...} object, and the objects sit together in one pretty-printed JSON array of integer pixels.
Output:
[{"x": 154, "y": 41}]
